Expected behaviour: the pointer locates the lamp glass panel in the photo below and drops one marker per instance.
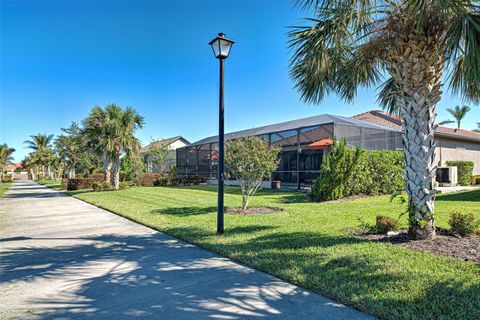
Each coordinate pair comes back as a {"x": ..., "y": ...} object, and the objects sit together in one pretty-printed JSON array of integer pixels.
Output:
[
  {"x": 225, "y": 47},
  {"x": 216, "y": 47}
]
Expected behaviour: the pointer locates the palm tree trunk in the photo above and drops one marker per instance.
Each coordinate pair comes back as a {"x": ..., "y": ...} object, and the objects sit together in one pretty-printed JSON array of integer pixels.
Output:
[
  {"x": 416, "y": 66},
  {"x": 107, "y": 167},
  {"x": 116, "y": 174}
]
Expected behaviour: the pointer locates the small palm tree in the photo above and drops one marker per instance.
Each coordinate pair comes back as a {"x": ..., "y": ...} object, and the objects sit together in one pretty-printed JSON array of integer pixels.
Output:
[
  {"x": 459, "y": 113},
  {"x": 40, "y": 144},
  {"x": 478, "y": 127},
  {"x": 356, "y": 43},
  {"x": 110, "y": 131},
  {"x": 5, "y": 157}
]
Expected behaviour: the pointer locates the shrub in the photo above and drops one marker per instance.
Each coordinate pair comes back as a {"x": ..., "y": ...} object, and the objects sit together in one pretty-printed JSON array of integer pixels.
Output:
[
  {"x": 476, "y": 179},
  {"x": 377, "y": 172},
  {"x": 77, "y": 183},
  {"x": 150, "y": 179},
  {"x": 463, "y": 224},
  {"x": 123, "y": 185},
  {"x": 338, "y": 165},
  {"x": 194, "y": 179},
  {"x": 385, "y": 224},
  {"x": 102, "y": 186},
  {"x": 464, "y": 171},
  {"x": 132, "y": 168}
]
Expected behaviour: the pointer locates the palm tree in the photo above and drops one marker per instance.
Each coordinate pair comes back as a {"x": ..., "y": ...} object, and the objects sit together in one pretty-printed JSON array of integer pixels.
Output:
[
  {"x": 478, "y": 127},
  {"x": 459, "y": 113},
  {"x": 405, "y": 47},
  {"x": 5, "y": 157},
  {"x": 111, "y": 129},
  {"x": 40, "y": 144}
]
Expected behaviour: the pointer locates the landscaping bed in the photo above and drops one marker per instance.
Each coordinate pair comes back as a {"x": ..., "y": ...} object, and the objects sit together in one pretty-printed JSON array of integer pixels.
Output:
[
  {"x": 445, "y": 244},
  {"x": 253, "y": 210}
]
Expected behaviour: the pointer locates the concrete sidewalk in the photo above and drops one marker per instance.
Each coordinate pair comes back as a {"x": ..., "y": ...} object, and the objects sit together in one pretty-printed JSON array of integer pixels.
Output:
[{"x": 62, "y": 258}]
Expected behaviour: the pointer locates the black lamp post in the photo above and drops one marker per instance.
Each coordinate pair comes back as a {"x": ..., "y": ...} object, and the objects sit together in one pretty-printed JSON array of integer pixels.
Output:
[{"x": 221, "y": 49}]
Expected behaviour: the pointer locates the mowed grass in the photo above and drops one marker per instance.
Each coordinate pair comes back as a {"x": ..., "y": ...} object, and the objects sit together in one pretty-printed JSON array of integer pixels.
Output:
[
  {"x": 309, "y": 244},
  {"x": 4, "y": 187}
]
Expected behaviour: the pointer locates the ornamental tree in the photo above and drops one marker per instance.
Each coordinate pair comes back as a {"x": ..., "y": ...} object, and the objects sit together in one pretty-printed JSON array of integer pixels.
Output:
[{"x": 250, "y": 160}]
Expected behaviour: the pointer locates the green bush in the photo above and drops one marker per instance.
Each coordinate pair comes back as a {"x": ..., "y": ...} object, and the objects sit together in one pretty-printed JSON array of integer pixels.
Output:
[
  {"x": 463, "y": 224},
  {"x": 103, "y": 186},
  {"x": 464, "y": 171},
  {"x": 338, "y": 165},
  {"x": 374, "y": 172},
  {"x": 385, "y": 224},
  {"x": 476, "y": 179},
  {"x": 123, "y": 185}
]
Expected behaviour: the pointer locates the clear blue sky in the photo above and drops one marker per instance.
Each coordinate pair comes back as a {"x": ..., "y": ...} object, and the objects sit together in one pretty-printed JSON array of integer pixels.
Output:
[{"x": 58, "y": 59}]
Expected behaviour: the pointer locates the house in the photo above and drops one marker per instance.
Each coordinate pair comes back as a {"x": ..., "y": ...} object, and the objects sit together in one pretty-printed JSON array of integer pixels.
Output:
[
  {"x": 171, "y": 144},
  {"x": 302, "y": 144},
  {"x": 11, "y": 168},
  {"x": 452, "y": 144}
]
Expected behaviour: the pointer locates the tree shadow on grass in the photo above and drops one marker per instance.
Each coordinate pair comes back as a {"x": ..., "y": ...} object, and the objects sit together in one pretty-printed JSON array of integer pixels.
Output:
[
  {"x": 353, "y": 276},
  {"x": 460, "y": 196}
]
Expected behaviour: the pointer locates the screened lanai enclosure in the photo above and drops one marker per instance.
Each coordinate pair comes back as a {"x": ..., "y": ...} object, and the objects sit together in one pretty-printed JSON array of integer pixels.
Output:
[{"x": 300, "y": 143}]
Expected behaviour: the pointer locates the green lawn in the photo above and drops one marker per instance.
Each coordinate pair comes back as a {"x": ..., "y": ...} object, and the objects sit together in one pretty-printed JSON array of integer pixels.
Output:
[
  {"x": 4, "y": 187},
  {"x": 308, "y": 244}
]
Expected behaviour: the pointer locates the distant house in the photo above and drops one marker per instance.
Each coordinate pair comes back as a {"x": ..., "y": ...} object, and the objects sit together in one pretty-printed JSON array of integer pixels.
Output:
[
  {"x": 172, "y": 143},
  {"x": 452, "y": 144},
  {"x": 11, "y": 168}
]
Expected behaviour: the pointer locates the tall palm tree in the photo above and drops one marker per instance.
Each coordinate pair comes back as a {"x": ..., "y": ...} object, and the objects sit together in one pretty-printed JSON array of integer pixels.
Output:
[
  {"x": 404, "y": 46},
  {"x": 459, "y": 113},
  {"x": 40, "y": 144},
  {"x": 5, "y": 157},
  {"x": 111, "y": 130},
  {"x": 94, "y": 130}
]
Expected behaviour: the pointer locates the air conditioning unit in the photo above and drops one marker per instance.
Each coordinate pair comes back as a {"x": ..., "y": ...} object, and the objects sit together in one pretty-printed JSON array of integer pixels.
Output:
[{"x": 446, "y": 176}]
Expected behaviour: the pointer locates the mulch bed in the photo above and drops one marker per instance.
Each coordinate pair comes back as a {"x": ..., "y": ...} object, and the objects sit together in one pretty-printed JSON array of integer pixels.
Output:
[
  {"x": 445, "y": 244},
  {"x": 253, "y": 210}
]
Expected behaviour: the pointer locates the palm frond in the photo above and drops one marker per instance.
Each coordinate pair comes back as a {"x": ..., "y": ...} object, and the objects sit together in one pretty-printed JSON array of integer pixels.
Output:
[
  {"x": 463, "y": 53},
  {"x": 387, "y": 96}
]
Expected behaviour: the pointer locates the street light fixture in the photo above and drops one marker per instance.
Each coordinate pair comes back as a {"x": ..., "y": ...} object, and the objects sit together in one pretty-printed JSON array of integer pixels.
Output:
[{"x": 221, "y": 49}]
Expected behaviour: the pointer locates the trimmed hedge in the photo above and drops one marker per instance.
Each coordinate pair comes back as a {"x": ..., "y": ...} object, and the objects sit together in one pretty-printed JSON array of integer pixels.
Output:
[
  {"x": 464, "y": 171},
  {"x": 375, "y": 172},
  {"x": 81, "y": 183},
  {"x": 77, "y": 183}
]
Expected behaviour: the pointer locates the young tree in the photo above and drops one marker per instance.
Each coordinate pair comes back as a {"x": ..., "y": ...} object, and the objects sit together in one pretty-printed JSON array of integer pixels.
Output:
[
  {"x": 132, "y": 167},
  {"x": 160, "y": 155},
  {"x": 459, "y": 113},
  {"x": 354, "y": 43},
  {"x": 250, "y": 160},
  {"x": 110, "y": 131},
  {"x": 5, "y": 157}
]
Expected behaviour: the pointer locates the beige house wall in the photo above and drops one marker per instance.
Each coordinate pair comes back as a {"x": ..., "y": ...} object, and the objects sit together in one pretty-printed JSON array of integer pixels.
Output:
[{"x": 452, "y": 149}]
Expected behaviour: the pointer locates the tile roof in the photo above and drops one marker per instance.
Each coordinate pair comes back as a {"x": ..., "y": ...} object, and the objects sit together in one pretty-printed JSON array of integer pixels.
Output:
[
  {"x": 163, "y": 142},
  {"x": 394, "y": 122},
  {"x": 12, "y": 166}
]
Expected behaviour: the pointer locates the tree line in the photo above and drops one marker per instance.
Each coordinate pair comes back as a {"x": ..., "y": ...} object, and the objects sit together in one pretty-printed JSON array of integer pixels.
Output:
[{"x": 97, "y": 144}]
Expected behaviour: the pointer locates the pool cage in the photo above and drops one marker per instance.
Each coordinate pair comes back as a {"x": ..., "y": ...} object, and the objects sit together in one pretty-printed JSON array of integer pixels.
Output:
[{"x": 300, "y": 158}]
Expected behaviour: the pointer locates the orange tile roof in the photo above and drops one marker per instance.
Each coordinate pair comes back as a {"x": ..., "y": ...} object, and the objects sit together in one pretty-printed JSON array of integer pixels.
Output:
[
  {"x": 12, "y": 166},
  {"x": 392, "y": 121}
]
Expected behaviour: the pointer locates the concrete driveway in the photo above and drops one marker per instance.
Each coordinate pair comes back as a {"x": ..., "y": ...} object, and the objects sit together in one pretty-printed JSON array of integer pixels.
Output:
[{"x": 62, "y": 258}]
